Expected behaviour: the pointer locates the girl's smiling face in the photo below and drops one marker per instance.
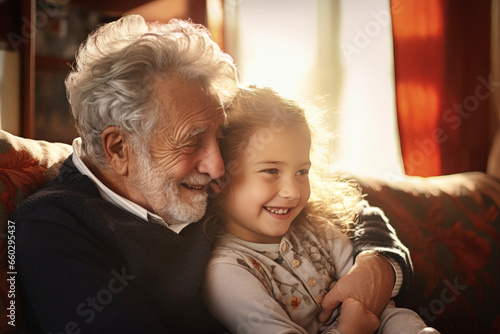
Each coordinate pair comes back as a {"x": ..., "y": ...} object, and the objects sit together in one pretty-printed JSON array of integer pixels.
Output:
[{"x": 270, "y": 188}]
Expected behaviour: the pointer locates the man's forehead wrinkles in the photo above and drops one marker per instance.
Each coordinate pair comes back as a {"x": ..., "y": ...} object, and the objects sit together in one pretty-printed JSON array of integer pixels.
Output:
[
  {"x": 209, "y": 113},
  {"x": 214, "y": 121}
]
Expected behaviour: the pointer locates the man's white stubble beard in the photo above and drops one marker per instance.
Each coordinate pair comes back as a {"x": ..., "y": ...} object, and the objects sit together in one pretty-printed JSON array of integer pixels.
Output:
[{"x": 163, "y": 194}]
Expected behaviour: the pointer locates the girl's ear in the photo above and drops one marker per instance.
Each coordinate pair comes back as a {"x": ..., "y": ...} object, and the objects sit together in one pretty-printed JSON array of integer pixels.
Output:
[{"x": 116, "y": 149}]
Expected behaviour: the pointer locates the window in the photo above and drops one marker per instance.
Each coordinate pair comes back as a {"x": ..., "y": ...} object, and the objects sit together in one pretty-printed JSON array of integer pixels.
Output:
[{"x": 335, "y": 54}]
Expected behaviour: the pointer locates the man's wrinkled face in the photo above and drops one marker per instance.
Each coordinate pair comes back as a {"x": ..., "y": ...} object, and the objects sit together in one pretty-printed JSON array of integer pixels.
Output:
[{"x": 184, "y": 150}]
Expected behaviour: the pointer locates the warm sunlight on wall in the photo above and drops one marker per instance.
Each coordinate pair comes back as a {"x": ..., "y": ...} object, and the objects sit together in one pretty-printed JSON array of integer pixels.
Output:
[
  {"x": 334, "y": 53},
  {"x": 269, "y": 48},
  {"x": 370, "y": 142}
]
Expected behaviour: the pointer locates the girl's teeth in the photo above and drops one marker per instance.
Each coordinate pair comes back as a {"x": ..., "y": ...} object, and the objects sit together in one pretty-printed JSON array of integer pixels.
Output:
[{"x": 279, "y": 212}]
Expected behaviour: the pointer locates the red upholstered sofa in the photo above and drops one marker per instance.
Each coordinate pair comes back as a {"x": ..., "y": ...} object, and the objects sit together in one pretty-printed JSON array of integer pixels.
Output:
[{"x": 451, "y": 225}]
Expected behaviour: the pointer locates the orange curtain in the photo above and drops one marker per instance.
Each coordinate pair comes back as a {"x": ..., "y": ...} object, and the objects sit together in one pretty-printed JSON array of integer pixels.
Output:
[{"x": 442, "y": 68}]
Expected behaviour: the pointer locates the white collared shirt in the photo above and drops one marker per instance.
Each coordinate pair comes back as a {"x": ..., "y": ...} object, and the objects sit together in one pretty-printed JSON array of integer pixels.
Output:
[{"x": 110, "y": 196}]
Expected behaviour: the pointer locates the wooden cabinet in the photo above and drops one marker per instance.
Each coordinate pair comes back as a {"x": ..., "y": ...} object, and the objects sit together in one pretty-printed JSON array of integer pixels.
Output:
[{"x": 49, "y": 35}]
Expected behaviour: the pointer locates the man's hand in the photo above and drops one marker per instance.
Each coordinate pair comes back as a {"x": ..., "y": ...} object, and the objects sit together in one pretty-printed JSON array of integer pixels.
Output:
[
  {"x": 370, "y": 281},
  {"x": 356, "y": 318}
]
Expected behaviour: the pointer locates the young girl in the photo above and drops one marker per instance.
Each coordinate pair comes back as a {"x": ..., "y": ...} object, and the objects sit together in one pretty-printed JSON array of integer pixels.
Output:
[{"x": 283, "y": 241}]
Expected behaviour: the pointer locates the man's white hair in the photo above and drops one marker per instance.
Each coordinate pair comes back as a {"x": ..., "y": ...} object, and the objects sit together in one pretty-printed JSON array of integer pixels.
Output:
[{"x": 114, "y": 80}]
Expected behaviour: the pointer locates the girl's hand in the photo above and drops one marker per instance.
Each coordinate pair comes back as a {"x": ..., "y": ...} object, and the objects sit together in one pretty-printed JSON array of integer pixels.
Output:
[{"x": 355, "y": 318}]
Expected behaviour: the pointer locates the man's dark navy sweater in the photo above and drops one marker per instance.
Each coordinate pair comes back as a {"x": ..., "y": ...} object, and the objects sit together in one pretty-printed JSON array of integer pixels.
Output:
[{"x": 85, "y": 264}]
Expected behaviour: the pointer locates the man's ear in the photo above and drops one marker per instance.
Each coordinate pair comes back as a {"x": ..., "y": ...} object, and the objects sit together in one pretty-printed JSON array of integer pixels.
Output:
[{"x": 116, "y": 149}]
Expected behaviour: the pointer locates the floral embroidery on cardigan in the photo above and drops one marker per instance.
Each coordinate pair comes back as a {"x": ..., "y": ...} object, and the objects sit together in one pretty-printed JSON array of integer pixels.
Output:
[
  {"x": 255, "y": 263},
  {"x": 295, "y": 302},
  {"x": 242, "y": 263}
]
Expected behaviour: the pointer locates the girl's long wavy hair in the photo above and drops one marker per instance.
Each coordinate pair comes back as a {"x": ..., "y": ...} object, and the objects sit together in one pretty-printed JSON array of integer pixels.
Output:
[{"x": 259, "y": 113}]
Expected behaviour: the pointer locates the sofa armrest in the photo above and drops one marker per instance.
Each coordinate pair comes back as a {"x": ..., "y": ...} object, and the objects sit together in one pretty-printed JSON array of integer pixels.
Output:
[
  {"x": 26, "y": 165},
  {"x": 451, "y": 224}
]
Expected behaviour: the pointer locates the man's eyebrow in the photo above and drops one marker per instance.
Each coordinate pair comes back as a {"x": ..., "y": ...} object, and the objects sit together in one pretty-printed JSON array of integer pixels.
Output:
[{"x": 196, "y": 131}]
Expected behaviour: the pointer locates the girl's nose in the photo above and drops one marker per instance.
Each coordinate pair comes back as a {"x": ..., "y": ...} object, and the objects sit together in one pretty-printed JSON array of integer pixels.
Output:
[{"x": 289, "y": 190}]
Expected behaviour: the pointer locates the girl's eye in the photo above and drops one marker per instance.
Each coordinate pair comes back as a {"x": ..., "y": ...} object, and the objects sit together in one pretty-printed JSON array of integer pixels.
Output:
[
  {"x": 303, "y": 172},
  {"x": 271, "y": 171}
]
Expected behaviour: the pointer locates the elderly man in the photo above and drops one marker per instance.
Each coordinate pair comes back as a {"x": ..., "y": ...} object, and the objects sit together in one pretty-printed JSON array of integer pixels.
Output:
[{"x": 111, "y": 246}]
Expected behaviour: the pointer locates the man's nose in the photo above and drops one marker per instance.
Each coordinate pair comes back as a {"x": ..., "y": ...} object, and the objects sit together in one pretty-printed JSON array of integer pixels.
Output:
[{"x": 211, "y": 162}]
